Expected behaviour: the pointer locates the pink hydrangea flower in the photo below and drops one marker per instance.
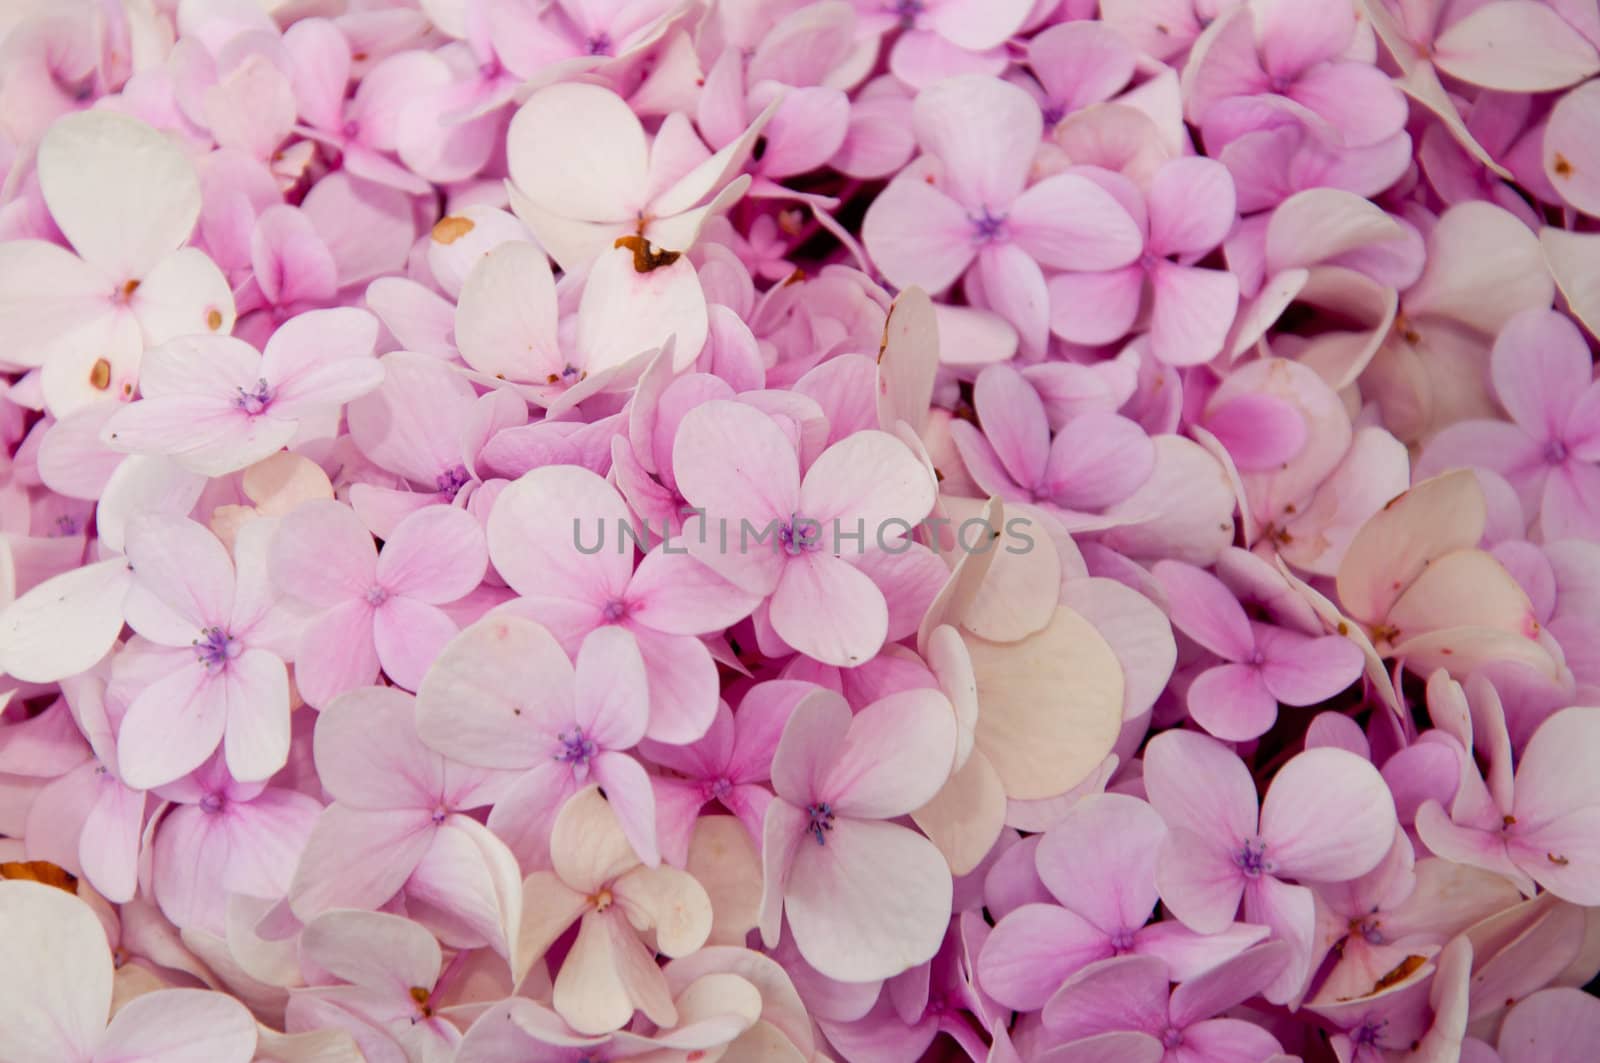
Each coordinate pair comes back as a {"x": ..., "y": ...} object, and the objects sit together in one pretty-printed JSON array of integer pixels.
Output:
[{"x": 865, "y": 898}]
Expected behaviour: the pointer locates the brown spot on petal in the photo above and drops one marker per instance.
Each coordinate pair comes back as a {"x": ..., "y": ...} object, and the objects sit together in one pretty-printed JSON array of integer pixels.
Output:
[
  {"x": 41, "y": 871},
  {"x": 601, "y": 900},
  {"x": 421, "y": 995},
  {"x": 1403, "y": 970},
  {"x": 794, "y": 278},
  {"x": 100, "y": 374},
  {"x": 448, "y": 230},
  {"x": 213, "y": 319},
  {"x": 1507, "y": 821},
  {"x": 790, "y": 221},
  {"x": 1562, "y": 165},
  {"x": 129, "y": 288},
  {"x": 1559, "y": 861},
  {"x": 645, "y": 256}
]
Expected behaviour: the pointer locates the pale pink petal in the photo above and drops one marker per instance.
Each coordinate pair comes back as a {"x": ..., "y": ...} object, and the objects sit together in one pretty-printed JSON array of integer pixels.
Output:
[
  {"x": 1095, "y": 308},
  {"x": 50, "y": 299},
  {"x": 257, "y": 691},
  {"x": 602, "y": 178},
  {"x": 409, "y": 635},
  {"x": 1123, "y": 1046},
  {"x": 813, "y": 737},
  {"x": 1198, "y": 880},
  {"x": 1232, "y": 702},
  {"x": 896, "y": 756},
  {"x": 1191, "y": 204},
  {"x": 626, "y": 314},
  {"x": 1013, "y": 421},
  {"x": 1097, "y": 460},
  {"x": 1033, "y": 950},
  {"x": 985, "y": 131},
  {"x": 320, "y": 359},
  {"x": 1540, "y": 367},
  {"x": 1225, "y": 1040},
  {"x": 918, "y": 235},
  {"x": 1303, "y": 671},
  {"x": 172, "y": 727},
  {"x": 1550, "y": 1026},
  {"x": 1291, "y": 913},
  {"x": 1203, "y": 608},
  {"x": 866, "y": 482},
  {"x": 336, "y": 653},
  {"x": 506, "y": 317},
  {"x": 323, "y": 555},
  {"x": 373, "y": 950},
  {"x": 496, "y": 694},
  {"x": 1327, "y": 816},
  {"x": 829, "y": 610},
  {"x": 1515, "y": 46},
  {"x": 124, "y": 194},
  {"x": 1100, "y": 860},
  {"x": 1080, "y": 63},
  {"x": 1191, "y": 311},
  {"x": 1124, "y": 993},
  {"x": 183, "y": 294},
  {"x": 1551, "y": 780},
  {"x": 369, "y": 756},
  {"x": 628, "y": 791},
  {"x": 1570, "y": 505},
  {"x": 56, "y": 974},
  {"x": 733, "y": 462},
  {"x": 436, "y": 555},
  {"x": 610, "y": 691},
  {"x": 357, "y": 858},
  {"x": 682, "y": 682},
  {"x": 674, "y": 593},
  {"x": 559, "y": 535},
  {"x": 1014, "y": 287},
  {"x": 856, "y": 932},
  {"x": 1069, "y": 222},
  {"x": 181, "y": 1025}
]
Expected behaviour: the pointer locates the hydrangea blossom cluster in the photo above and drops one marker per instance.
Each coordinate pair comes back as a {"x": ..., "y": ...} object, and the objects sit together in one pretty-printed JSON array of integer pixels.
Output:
[{"x": 790, "y": 531}]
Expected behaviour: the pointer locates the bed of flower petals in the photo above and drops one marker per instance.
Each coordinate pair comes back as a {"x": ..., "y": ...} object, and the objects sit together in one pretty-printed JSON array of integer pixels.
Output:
[{"x": 773, "y": 531}]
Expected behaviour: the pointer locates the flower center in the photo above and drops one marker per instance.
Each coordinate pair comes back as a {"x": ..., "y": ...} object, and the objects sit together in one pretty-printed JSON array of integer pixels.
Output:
[
  {"x": 800, "y": 535},
  {"x": 987, "y": 228},
  {"x": 254, "y": 401},
  {"x": 615, "y": 611},
  {"x": 215, "y": 648},
  {"x": 719, "y": 789},
  {"x": 1372, "y": 930},
  {"x": 907, "y": 11},
  {"x": 576, "y": 749},
  {"x": 601, "y": 900},
  {"x": 821, "y": 820},
  {"x": 1053, "y": 114},
  {"x": 212, "y": 803},
  {"x": 1122, "y": 940},
  {"x": 1555, "y": 452},
  {"x": 376, "y": 595},
  {"x": 1172, "y": 1037},
  {"x": 1369, "y": 1032},
  {"x": 1252, "y": 858},
  {"x": 440, "y": 814},
  {"x": 452, "y": 480},
  {"x": 599, "y": 44}
]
